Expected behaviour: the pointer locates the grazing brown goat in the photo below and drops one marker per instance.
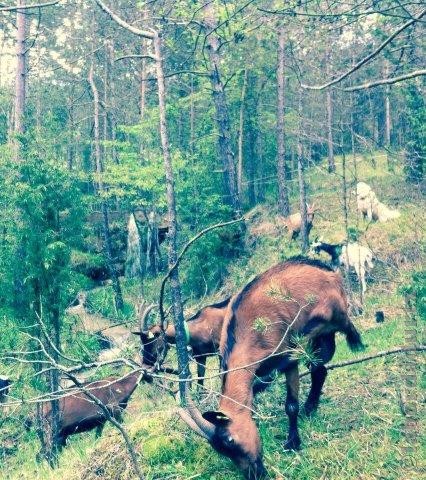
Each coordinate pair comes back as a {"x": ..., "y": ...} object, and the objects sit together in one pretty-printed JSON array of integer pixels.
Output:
[
  {"x": 298, "y": 297},
  {"x": 79, "y": 413},
  {"x": 294, "y": 222},
  {"x": 203, "y": 329}
]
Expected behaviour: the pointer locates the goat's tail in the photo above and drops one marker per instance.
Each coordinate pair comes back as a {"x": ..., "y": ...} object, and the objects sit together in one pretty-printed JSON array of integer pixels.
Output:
[{"x": 353, "y": 338}]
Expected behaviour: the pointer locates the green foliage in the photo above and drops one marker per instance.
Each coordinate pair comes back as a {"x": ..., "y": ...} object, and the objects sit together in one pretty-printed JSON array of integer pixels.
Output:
[{"x": 415, "y": 293}]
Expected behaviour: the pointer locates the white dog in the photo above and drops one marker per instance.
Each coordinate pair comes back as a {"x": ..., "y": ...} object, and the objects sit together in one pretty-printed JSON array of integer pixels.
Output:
[{"x": 369, "y": 205}]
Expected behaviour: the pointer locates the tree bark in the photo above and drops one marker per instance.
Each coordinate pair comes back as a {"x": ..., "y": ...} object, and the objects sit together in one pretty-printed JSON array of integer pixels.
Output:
[
  {"x": 21, "y": 76},
  {"x": 241, "y": 134},
  {"x": 118, "y": 296},
  {"x": 283, "y": 203},
  {"x": 252, "y": 128},
  {"x": 329, "y": 106},
  {"x": 304, "y": 234},
  {"x": 331, "y": 164},
  {"x": 222, "y": 114},
  {"x": 182, "y": 352}
]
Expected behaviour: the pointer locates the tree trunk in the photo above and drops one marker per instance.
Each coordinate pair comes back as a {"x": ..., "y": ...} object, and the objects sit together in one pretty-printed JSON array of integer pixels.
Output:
[
  {"x": 182, "y": 352},
  {"x": 331, "y": 164},
  {"x": 192, "y": 118},
  {"x": 70, "y": 124},
  {"x": 252, "y": 128},
  {"x": 304, "y": 234},
  {"x": 283, "y": 203},
  {"x": 118, "y": 296},
  {"x": 329, "y": 100},
  {"x": 21, "y": 76},
  {"x": 241, "y": 135},
  {"x": 222, "y": 114}
]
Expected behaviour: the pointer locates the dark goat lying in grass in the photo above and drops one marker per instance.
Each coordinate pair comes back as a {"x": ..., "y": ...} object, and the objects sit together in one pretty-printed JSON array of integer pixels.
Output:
[
  {"x": 79, "y": 413},
  {"x": 203, "y": 332},
  {"x": 295, "y": 298}
]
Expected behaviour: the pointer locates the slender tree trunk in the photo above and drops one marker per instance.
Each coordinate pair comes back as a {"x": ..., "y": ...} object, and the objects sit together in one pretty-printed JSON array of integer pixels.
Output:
[
  {"x": 192, "y": 118},
  {"x": 182, "y": 352},
  {"x": 329, "y": 101},
  {"x": 222, "y": 115},
  {"x": 21, "y": 76},
  {"x": 304, "y": 234},
  {"x": 70, "y": 143},
  {"x": 99, "y": 169},
  {"x": 252, "y": 128},
  {"x": 330, "y": 141},
  {"x": 260, "y": 170},
  {"x": 388, "y": 123},
  {"x": 283, "y": 203},
  {"x": 241, "y": 134}
]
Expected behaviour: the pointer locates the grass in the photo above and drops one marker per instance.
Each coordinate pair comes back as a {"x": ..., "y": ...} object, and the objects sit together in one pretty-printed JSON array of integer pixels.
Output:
[{"x": 358, "y": 432}]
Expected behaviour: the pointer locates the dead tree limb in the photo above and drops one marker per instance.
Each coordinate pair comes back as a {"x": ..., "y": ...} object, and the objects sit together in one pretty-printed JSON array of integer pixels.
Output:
[
  {"x": 28, "y": 7},
  {"x": 333, "y": 366},
  {"x": 366, "y": 59},
  {"x": 386, "y": 81},
  {"x": 182, "y": 253}
]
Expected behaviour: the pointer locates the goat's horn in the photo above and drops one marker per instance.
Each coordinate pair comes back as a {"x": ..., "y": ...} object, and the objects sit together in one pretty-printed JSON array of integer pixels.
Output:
[
  {"x": 144, "y": 316},
  {"x": 191, "y": 415}
]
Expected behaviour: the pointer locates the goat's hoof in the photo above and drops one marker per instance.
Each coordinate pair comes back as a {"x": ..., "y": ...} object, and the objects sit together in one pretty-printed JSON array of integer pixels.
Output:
[
  {"x": 293, "y": 444},
  {"x": 309, "y": 409}
]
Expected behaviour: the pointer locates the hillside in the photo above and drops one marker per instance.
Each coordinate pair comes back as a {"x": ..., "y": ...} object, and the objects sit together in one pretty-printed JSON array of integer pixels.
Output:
[{"x": 358, "y": 431}]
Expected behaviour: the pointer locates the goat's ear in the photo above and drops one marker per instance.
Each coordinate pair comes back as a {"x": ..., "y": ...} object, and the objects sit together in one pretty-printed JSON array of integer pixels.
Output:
[{"x": 216, "y": 418}]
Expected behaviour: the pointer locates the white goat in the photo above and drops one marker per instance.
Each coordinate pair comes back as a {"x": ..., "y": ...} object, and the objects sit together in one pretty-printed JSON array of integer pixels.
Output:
[
  {"x": 360, "y": 258},
  {"x": 369, "y": 205},
  {"x": 353, "y": 255}
]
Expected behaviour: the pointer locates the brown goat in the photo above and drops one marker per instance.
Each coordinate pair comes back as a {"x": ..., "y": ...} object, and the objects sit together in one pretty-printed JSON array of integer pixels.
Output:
[
  {"x": 294, "y": 222},
  {"x": 79, "y": 413},
  {"x": 204, "y": 330},
  {"x": 298, "y": 297}
]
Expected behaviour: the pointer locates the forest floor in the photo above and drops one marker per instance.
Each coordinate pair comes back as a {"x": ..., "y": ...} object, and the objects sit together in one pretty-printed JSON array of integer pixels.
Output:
[{"x": 358, "y": 432}]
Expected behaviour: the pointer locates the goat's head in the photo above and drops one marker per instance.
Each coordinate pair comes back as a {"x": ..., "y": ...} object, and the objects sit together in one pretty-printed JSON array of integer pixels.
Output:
[
  {"x": 154, "y": 344},
  {"x": 310, "y": 211},
  {"x": 316, "y": 246},
  {"x": 239, "y": 440},
  {"x": 5, "y": 383}
]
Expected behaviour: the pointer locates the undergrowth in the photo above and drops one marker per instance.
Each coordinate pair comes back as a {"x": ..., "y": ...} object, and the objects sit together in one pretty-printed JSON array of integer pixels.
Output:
[{"x": 358, "y": 431}]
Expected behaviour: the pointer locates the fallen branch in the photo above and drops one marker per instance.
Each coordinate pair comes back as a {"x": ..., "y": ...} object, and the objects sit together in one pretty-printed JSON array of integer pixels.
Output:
[
  {"x": 420, "y": 348},
  {"x": 178, "y": 260}
]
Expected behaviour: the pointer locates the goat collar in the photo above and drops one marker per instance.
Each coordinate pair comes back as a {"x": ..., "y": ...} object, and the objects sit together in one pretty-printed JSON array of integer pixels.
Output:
[{"x": 187, "y": 334}]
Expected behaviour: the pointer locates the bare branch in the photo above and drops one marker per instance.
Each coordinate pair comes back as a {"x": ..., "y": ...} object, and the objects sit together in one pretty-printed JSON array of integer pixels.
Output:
[
  {"x": 393, "y": 351},
  {"x": 366, "y": 59},
  {"x": 386, "y": 81},
  {"x": 28, "y": 7},
  {"x": 182, "y": 253},
  {"x": 123, "y": 57},
  {"x": 123, "y": 23}
]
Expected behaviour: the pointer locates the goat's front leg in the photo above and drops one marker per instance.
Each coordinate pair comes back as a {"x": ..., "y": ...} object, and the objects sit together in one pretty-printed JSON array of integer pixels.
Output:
[
  {"x": 292, "y": 407},
  {"x": 360, "y": 272}
]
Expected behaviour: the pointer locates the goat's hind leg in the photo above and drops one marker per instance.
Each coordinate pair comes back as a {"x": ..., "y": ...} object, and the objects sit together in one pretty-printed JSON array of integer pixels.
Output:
[
  {"x": 292, "y": 407},
  {"x": 324, "y": 348}
]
